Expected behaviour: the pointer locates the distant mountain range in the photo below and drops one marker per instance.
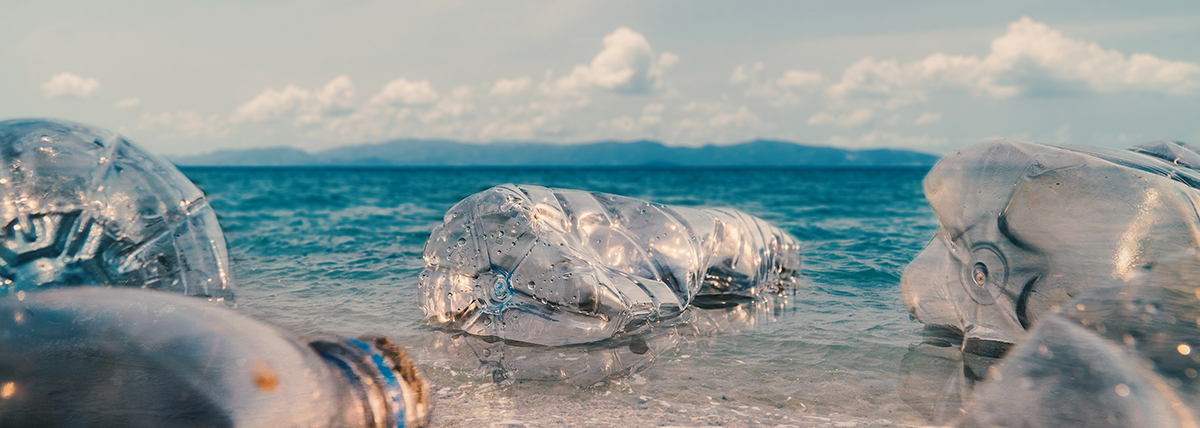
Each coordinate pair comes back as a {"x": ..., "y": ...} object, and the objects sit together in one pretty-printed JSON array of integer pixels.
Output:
[{"x": 640, "y": 153}]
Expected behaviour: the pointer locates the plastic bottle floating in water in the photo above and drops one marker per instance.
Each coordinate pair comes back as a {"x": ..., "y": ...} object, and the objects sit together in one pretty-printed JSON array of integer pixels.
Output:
[
  {"x": 558, "y": 267},
  {"x": 80, "y": 205},
  {"x": 122, "y": 357}
]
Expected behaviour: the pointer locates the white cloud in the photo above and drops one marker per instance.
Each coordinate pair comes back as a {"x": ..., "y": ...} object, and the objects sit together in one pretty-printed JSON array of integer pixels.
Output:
[
  {"x": 63, "y": 85},
  {"x": 742, "y": 75},
  {"x": 928, "y": 118},
  {"x": 455, "y": 104},
  {"x": 1030, "y": 43},
  {"x": 184, "y": 124},
  {"x": 878, "y": 138},
  {"x": 742, "y": 118},
  {"x": 848, "y": 120},
  {"x": 628, "y": 126},
  {"x": 538, "y": 119},
  {"x": 1030, "y": 59},
  {"x": 624, "y": 124},
  {"x": 785, "y": 90},
  {"x": 404, "y": 92},
  {"x": 626, "y": 65},
  {"x": 799, "y": 79},
  {"x": 308, "y": 107},
  {"x": 506, "y": 87},
  {"x": 127, "y": 102},
  {"x": 652, "y": 114}
]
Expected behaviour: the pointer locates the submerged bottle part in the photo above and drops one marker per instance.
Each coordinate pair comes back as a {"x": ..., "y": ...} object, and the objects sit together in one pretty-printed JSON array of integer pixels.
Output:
[
  {"x": 558, "y": 267},
  {"x": 1029, "y": 226},
  {"x": 80, "y": 205},
  {"x": 124, "y": 357},
  {"x": 506, "y": 362},
  {"x": 586, "y": 364},
  {"x": 1117, "y": 356}
]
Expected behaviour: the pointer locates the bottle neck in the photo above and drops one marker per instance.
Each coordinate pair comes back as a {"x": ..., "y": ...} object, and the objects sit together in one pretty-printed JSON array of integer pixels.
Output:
[{"x": 371, "y": 377}]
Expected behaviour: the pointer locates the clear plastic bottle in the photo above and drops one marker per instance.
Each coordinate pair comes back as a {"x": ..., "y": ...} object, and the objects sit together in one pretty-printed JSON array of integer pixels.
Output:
[
  {"x": 1026, "y": 227},
  {"x": 559, "y": 267},
  {"x": 94, "y": 356},
  {"x": 1120, "y": 355},
  {"x": 80, "y": 205}
]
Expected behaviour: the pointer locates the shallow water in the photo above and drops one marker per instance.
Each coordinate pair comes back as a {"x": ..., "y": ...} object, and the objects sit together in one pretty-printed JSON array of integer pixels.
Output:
[{"x": 338, "y": 251}]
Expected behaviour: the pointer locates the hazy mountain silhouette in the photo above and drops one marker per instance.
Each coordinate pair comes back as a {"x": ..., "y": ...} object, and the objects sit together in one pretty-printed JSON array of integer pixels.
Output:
[{"x": 408, "y": 152}]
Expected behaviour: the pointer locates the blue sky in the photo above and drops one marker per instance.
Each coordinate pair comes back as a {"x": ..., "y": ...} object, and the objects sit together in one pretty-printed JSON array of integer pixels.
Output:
[{"x": 930, "y": 76}]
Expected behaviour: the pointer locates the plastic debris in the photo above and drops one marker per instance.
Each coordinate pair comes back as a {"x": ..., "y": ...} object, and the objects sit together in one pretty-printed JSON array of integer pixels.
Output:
[
  {"x": 1117, "y": 356},
  {"x": 126, "y": 357},
  {"x": 559, "y": 267},
  {"x": 83, "y": 206},
  {"x": 1029, "y": 226}
]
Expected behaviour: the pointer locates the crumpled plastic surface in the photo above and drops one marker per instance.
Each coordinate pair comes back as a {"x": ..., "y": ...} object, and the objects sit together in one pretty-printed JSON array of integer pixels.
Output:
[
  {"x": 1117, "y": 356},
  {"x": 1028, "y": 226},
  {"x": 555, "y": 267},
  {"x": 80, "y": 205}
]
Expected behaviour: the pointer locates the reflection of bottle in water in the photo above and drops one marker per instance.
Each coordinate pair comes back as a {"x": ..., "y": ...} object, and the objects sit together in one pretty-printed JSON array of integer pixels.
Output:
[
  {"x": 118, "y": 357},
  {"x": 558, "y": 267},
  {"x": 85, "y": 206}
]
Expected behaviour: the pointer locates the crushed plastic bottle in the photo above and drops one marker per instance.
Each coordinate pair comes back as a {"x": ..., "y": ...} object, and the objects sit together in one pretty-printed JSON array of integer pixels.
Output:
[
  {"x": 1118, "y": 356},
  {"x": 79, "y": 205},
  {"x": 1028, "y": 226},
  {"x": 93, "y": 356},
  {"x": 559, "y": 267}
]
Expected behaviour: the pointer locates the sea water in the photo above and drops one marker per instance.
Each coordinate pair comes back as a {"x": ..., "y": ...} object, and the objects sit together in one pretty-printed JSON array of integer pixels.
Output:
[{"x": 338, "y": 250}]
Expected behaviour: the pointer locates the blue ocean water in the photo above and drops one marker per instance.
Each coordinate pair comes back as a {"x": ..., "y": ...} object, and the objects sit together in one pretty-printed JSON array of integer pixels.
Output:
[{"x": 338, "y": 251}]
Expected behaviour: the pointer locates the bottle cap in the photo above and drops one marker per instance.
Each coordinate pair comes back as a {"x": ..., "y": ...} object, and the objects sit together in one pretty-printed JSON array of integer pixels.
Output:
[{"x": 392, "y": 393}]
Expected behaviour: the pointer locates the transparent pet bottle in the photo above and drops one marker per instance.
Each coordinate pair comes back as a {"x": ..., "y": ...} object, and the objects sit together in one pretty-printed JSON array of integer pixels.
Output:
[
  {"x": 80, "y": 205},
  {"x": 1025, "y": 227},
  {"x": 1120, "y": 355},
  {"x": 558, "y": 267},
  {"x": 93, "y": 356}
]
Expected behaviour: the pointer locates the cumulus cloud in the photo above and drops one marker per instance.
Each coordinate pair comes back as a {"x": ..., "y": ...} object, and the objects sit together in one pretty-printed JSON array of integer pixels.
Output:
[
  {"x": 127, "y": 102},
  {"x": 652, "y": 114},
  {"x": 879, "y": 138},
  {"x": 506, "y": 87},
  {"x": 626, "y": 65},
  {"x": 455, "y": 104},
  {"x": 847, "y": 120},
  {"x": 304, "y": 106},
  {"x": 184, "y": 124},
  {"x": 927, "y": 118},
  {"x": 69, "y": 85},
  {"x": 405, "y": 92},
  {"x": 785, "y": 90},
  {"x": 743, "y": 75},
  {"x": 636, "y": 127},
  {"x": 799, "y": 79},
  {"x": 742, "y": 118},
  {"x": 1029, "y": 59}
]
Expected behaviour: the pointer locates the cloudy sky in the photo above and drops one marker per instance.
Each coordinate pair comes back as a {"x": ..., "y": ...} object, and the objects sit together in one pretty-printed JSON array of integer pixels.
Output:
[{"x": 925, "y": 75}]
